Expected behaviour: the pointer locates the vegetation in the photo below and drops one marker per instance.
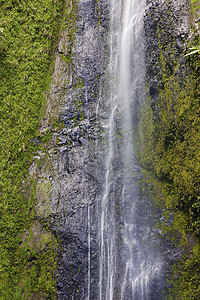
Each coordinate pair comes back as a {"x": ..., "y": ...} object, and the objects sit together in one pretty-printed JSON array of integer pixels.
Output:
[
  {"x": 29, "y": 31},
  {"x": 196, "y": 4},
  {"x": 168, "y": 147},
  {"x": 195, "y": 49}
]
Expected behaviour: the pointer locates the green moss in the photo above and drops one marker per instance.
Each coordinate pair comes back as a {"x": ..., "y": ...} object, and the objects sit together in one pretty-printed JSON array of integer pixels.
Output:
[
  {"x": 66, "y": 58},
  {"x": 98, "y": 12},
  {"x": 43, "y": 193},
  {"x": 168, "y": 147},
  {"x": 70, "y": 23},
  {"x": 28, "y": 39}
]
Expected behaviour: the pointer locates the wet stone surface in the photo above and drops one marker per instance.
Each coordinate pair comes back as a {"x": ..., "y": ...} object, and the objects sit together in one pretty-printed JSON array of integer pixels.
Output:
[
  {"x": 68, "y": 179},
  {"x": 71, "y": 175}
]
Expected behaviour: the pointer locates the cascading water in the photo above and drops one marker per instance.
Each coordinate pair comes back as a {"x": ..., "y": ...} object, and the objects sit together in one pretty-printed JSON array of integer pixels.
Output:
[{"x": 129, "y": 262}]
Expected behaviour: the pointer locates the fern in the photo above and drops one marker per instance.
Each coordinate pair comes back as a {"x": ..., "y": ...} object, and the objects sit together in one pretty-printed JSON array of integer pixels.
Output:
[{"x": 195, "y": 49}]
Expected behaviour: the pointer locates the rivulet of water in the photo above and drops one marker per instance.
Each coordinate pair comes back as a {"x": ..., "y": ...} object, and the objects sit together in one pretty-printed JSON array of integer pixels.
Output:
[{"x": 129, "y": 260}]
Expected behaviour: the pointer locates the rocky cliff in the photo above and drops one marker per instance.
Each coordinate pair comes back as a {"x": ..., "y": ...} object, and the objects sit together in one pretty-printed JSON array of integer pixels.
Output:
[
  {"x": 168, "y": 134},
  {"x": 67, "y": 171},
  {"x": 169, "y": 30}
]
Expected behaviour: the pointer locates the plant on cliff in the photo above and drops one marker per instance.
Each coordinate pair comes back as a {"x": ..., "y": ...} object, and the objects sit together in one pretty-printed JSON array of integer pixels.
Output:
[
  {"x": 28, "y": 36},
  {"x": 168, "y": 147},
  {"x": 195, "y": 49},
  {"x": 196, "y": 4}
]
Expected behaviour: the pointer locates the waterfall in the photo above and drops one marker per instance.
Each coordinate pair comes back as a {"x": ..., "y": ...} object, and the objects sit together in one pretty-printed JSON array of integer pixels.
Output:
[{"x": 130, "y": 264}]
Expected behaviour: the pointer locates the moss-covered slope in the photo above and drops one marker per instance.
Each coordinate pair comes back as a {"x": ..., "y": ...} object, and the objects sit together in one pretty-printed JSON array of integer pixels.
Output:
[
  {"x": 29, "y": 31},
  {"x": 169, "y": 133}
]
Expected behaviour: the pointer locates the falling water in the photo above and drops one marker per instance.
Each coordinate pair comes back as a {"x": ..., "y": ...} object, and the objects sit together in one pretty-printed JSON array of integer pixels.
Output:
[{"x": 129, "y": 263}]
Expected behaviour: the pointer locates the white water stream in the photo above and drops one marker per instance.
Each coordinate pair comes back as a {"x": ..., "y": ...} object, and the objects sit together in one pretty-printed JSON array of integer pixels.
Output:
[{"x": 129, "y": 262}]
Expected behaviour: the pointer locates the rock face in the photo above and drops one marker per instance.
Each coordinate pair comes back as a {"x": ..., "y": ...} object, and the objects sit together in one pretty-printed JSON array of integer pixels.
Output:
[
  {"x": 70, "y": 171},
  {"x": 169, "y": 28},
  {"x": 168, "y": 32},
  {"x": 67, "y": 176}
]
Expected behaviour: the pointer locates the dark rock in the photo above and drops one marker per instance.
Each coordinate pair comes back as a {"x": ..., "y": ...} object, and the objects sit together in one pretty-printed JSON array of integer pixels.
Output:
[
  {"x": 72, "y": 173},
  {"x": 167, "y": 27},
  {"x": 68, "y": 179}
]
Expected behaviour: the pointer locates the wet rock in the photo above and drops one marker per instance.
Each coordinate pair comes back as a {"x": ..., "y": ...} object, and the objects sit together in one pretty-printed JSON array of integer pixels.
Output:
[
  {"x": 168, "y": 31},
  {"x": 71, "y": 172},
  {"x": 167, "y": 27},
  {"x": 67, "y": 176}
]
